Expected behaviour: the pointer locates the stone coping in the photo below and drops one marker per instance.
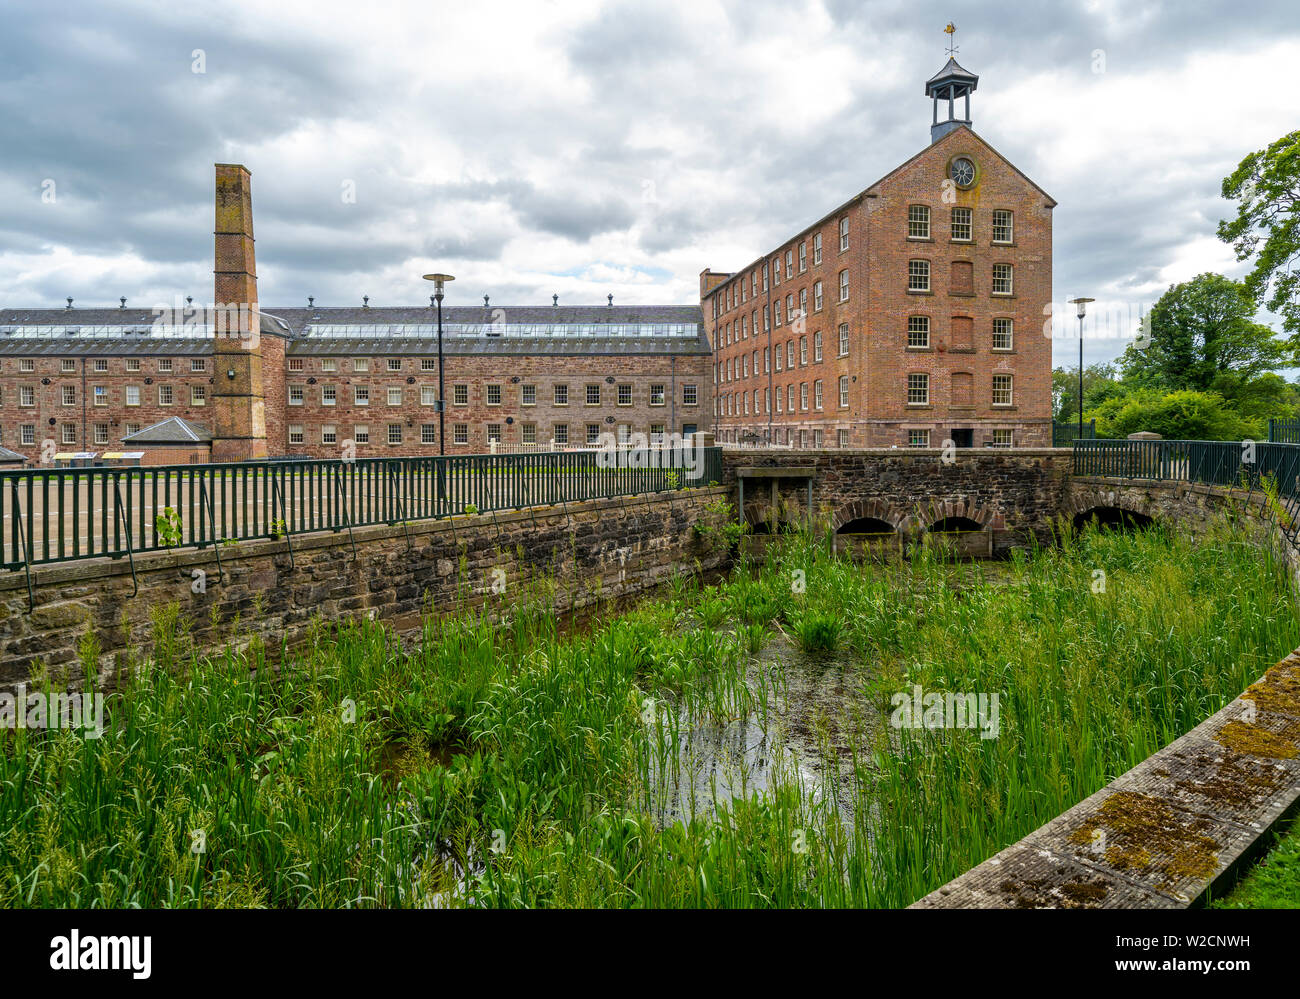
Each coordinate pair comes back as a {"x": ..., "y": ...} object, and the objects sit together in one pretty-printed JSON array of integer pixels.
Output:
[
  {"x": 1174, "y": 828},
  {"x": 85, "y": 570}
]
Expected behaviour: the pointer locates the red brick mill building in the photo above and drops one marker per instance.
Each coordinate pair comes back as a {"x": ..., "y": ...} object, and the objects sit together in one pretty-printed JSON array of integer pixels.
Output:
[
  {"x": 910, "y": 315},
  {"x": 187, "y": 385}
]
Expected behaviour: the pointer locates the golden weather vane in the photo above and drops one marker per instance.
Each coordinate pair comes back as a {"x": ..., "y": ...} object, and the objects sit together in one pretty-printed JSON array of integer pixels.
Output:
[{"x": 951, "y": 31}]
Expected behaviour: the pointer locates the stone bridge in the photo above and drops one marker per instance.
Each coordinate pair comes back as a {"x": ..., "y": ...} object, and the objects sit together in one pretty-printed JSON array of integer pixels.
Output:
[{"x": 996, "y": 499}]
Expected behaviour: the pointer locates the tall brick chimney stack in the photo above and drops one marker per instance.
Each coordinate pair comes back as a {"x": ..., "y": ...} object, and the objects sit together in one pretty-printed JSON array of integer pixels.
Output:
[{"x": 238, "y": 394}]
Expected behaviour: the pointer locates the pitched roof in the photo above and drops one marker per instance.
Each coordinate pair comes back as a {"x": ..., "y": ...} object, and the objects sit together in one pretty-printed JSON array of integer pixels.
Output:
[
  {"x": 173, "y": 430},
  {"x": 6, "y": 455},
  {"x": 952, "y": 71}
]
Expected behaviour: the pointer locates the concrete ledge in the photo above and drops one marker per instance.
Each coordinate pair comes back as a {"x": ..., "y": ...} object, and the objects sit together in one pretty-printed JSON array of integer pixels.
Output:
[{"x": 1172, "y": 829}]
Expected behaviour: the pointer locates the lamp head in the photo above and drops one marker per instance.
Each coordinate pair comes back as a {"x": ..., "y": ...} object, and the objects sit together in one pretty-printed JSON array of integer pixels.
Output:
[
  {"x": 1081, "y": 305},
  {"x": 439, "y": 280}
]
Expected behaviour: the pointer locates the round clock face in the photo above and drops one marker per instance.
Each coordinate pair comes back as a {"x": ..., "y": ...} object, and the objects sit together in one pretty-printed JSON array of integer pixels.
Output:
[{"x": 962, "y": 172}]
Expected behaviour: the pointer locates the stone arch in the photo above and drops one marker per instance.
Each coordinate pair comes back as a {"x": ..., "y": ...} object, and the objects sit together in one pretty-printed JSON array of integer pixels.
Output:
[
  {"x": 978, "y": 516},
  {"x": 874, "y": 509},
  {"x": 1112, "y": 507}
]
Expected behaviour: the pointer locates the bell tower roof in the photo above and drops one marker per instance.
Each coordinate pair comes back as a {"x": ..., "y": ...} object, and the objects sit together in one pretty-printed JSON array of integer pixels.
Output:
[{"x": 950, "y": 84}]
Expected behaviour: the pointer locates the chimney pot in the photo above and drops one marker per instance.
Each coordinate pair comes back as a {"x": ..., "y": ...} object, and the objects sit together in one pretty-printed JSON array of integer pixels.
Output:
[
  {"x": 123, "y": 301},
  {"x": 485, "y": 301},
  {"x": 311, "y": 301},
  {"x": 611, "y": 301},
  {"x": 69, "y": 301},
  {"x": 555, "y": 300},
  {"x": 365, "y": 301}
]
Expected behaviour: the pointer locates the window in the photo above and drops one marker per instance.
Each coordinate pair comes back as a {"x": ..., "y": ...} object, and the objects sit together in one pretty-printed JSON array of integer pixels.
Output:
[
  {"x": 842, "y": 438},
  {"x": 803, "y": 350},
  {"x": 69, "y": 395},
  {"x": 1003, "y": 229},
  {"x": 918, "y": 275},
  {"x": 1002, "y": 279},
  {"x": 428, "y": 395},
  {"x": 361, "y": 395},
  {"x": 561, "y": 433},
  {"x": 198, "y": 395},
  {"x": 789, "y": 353},
  {"x": 361, "y": 434},
  {"x": 656, "y": 433},
  {"x": 803, "y": 395},
  {"x": 776, "y": 311},
  {"x": 133, "y": 395},
  {"x": 817, "y": 394},
  {"x": 656, "y": 395},
  {"x": 776, "y": 271},
  {"x": 394, "y": 396},
  {"x": 1000, "y": 438},
  {"x": 529, "y": 397},
  {"x": 460, "y": 395},
  {"x": 961, "y": 225},
  {"x": 844, "y": 234},
  {"x": 844, "y": 286},
  {"x": 767, "y": 361},
  {"x": 26, "y": 395},
  {"x": 165, "y": 395},
  {"x": 789, "y": 398},
  {"x": 295, "y": 364},
  {"x": 918, "y": 332},
  {"x": 625, "y": 395},
  {"x": 296, "y": 393},
  {"x": 789, "y": 263},
  {"x": 101, "y": 364},
  {"x": 817, "y": 249},
  {"x": 101, "y": 395},
  {"x": 133, "y": 364},
  {"x": 844, "y": 340},
  {"x": 428, "y": 364},
  {"x": 593, "y": 395},
  {"x": 68, "y": 365},
  {"x": 494, "y": 433},
  {"x": 918, "y": 390},
  {"x": 394, "y": 363},
  {"x": 329, "y": 434},
  {"x": 1002, "y": 339},
  {"x": 803, "y": 301},
  {"x": 329, "y": 395},
  {"x": 844, "y": 391},
  {"x": 1002, "y": 390},
  {"x": 803, "y": 257},
  {"x": 26, "y": 364},
  {"x": 68, "y": 433},
  {"x": 690, "y": 395},
  {"x": 779, "y": 352},
  {"x": 817, "y": 348},
  {"x": 360, "y": 364},
  {"x": 460, "y": 433},
  {"x": 198, "y": 364},
  {"x": 132, "y": 428},
  {"x": 528, "y": 433},
  {"x": 593, "y": 433},
  {"x": 27, "y": 433},
  {"x": 428, "y": 433},
  {"x": 394, "y": 433},
  {"x": 295, "y": 433},
  {"x": 817, "y": 296},
  {"x": 918, "y": 222},
  {"x": 918, "y": 438},
  {"x": 561, "y": 395},
  {"x": 329, "y": 364}
]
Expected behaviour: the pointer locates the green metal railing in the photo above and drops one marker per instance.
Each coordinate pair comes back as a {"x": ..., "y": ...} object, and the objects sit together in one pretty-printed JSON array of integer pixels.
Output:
[
  {"x": 1065, "y": 433},
  {"x": 60, "y": 515},
  {"x": 1249, "y": 465},
  {"x": 1284, "y": 431}
]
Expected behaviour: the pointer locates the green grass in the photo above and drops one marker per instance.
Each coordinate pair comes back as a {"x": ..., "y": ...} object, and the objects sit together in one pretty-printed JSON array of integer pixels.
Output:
[
  {"x": 1274, "y": 882},
  {"x": 518, "y": 763}
]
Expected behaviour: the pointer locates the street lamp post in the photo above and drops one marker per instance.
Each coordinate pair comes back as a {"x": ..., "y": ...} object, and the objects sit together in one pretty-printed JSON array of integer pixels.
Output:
[
  {"x": 1081, "y": 309},
  {"x": 439, "y": 280}
]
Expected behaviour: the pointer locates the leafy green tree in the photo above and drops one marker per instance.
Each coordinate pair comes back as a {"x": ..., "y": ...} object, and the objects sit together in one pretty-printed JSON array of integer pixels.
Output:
[
  {"x": 1266, "y": 186},
  {"x": 1202, "y": 334},
  {"x": 1180, "y": 415},
  {"x": 1099, "y": 384}
]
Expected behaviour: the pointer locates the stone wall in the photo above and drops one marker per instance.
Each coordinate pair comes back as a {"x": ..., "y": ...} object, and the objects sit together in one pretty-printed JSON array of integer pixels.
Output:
[{"x": 595, "y": 550}]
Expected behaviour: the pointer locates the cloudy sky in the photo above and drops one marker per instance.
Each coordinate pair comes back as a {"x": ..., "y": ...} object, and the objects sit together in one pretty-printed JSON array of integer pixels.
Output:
[{"x": 585, "y": 147}]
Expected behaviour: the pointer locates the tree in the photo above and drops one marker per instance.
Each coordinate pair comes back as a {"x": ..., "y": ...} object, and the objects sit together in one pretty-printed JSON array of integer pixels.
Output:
[
  {"x": 1202, "y": 334},
  {"x": 1266, "y": 185},
  {"x": 1098, "y": 385},
  {"x": 1181, "y": 415}
]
